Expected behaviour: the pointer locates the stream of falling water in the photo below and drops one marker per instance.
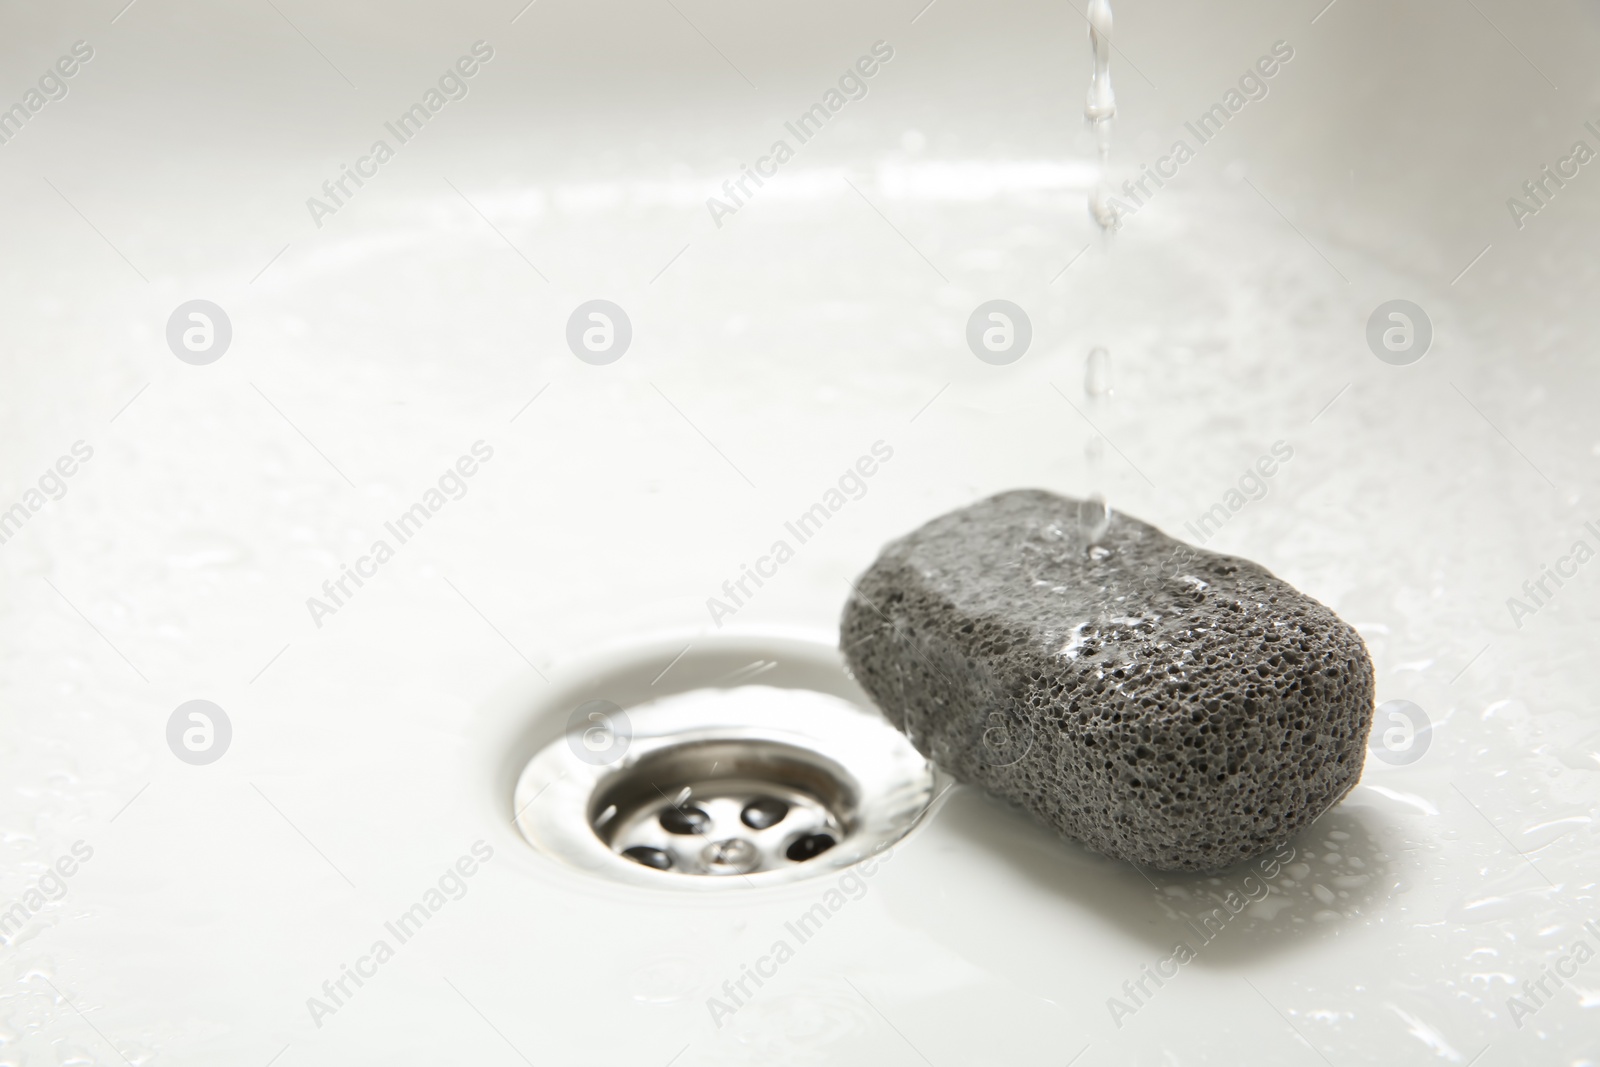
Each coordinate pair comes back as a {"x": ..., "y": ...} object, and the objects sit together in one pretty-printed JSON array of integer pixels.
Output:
[
  {"x": 1100, "y": 110},
  {"x": 1094, "y": 513}
]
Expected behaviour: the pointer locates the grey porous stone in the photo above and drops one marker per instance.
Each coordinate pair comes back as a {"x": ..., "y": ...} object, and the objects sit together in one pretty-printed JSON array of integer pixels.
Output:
[{"x": 1160, "y": 703}]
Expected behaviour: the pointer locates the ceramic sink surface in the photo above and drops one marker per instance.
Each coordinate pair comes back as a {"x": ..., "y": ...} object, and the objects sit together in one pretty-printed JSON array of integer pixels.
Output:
[{"x": 393, "y": 334}]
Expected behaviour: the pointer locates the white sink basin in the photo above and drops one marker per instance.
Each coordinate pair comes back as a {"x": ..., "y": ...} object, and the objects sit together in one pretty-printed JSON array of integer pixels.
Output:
[{"x": 420, "y": 320}]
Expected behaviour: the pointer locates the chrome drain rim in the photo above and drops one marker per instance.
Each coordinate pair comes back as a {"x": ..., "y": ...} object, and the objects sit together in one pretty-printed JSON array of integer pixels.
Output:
[{"x": 702, "y": 755}]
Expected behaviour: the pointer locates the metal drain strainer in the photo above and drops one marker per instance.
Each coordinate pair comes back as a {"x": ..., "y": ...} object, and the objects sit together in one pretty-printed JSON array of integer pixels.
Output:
[
  {"x": 721, "y": 785},
  {"x": 725, "y": 807}
]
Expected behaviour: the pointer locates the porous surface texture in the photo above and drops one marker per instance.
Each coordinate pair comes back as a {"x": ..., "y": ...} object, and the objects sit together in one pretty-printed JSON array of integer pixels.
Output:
[{"x": 1160, "y": 703}]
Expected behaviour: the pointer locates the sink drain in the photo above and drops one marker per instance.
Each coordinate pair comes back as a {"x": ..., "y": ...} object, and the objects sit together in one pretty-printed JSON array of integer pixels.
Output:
[
  {"x": 721, "y": 782},
  {"x": 732, "y": 806}
]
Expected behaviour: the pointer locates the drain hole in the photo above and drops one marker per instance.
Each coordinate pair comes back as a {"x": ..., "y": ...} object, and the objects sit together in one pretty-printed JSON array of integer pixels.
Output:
[
  {"x": 650, "y": 857},
  {"x": 763, "y": 812},
  {"x": 810, "y": 846},
  {"x": 684, "y": 821}
]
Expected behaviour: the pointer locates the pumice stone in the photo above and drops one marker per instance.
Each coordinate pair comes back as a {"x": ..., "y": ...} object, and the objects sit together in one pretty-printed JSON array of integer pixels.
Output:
[{"x": 1160, "y": 703}]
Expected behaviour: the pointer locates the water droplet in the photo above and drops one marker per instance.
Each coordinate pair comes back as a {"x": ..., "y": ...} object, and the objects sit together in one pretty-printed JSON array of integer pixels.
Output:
[
  {"x": 1101, "y": 106},
  {"x": 1094, "y": 514},
  {"x": 1101, "y": 210},
  {"x": 1094, "y": 517},
  {"x": 1097, "y": 374}
]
